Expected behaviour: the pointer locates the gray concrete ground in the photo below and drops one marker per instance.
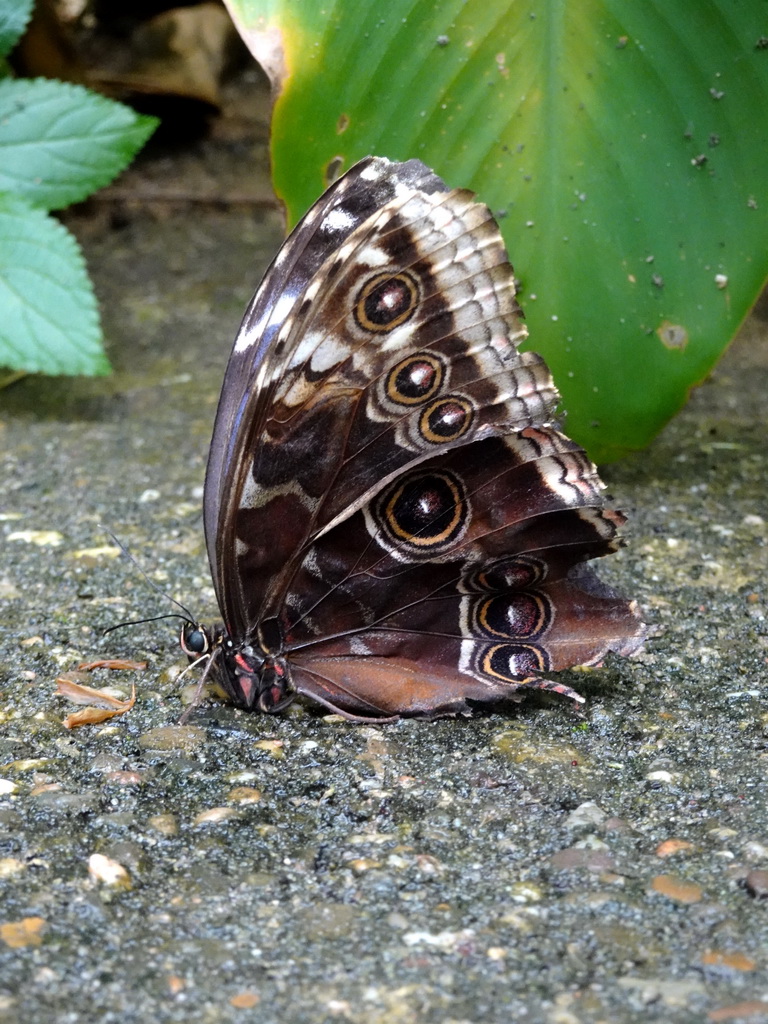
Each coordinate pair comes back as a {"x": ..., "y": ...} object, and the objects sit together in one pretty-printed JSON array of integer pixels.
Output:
[{"x": 530, "y": 865}]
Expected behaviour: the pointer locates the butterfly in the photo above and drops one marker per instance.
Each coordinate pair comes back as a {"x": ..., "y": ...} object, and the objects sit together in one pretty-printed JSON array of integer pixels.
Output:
[{"x": 394, "y": 524}]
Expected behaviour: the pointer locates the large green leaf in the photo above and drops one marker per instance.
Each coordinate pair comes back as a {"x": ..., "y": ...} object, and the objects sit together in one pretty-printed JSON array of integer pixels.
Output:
[{"x": 625, "y": 142}]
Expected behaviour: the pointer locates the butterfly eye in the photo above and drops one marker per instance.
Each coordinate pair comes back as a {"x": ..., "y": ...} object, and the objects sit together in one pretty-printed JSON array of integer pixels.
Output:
[
  {"x": 515, "y": 573},
  {"x": 415, "y": 379},
  {"x": 512, "y": 616},
  {"x": 194, "y": 640},
  {"x": 386, "y": 301},
  {"x": 514, "y": 661},
  {"x": 446, "y": 419},
  {"x": 424, "y": 513}
]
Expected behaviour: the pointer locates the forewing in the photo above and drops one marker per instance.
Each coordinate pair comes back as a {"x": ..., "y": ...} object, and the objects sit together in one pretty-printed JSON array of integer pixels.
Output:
[
  {"x": 403, "y": 345},
  {"x": 255, "y": 363}
]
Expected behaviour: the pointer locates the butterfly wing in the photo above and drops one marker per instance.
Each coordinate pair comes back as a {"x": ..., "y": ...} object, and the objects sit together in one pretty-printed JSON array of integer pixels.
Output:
[
  {"x": 384, "y": 477},
  {"x": 259, "y": 355},
  {"x": 468, "y": 585}
]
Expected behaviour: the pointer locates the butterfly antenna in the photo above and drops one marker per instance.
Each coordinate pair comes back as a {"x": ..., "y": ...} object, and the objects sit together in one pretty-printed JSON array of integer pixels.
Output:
[
  {"x": 152, "y": 618},
  {"x": 187, "y": 613}
]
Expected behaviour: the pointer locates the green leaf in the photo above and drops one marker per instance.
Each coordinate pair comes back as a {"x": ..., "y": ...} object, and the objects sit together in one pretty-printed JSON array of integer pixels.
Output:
[
  {"x": 14, "y": 17},
  {"x": 60, "y": 142},
  {"x": 625, "y": 141},
  {"x": 50, "y": 323}
]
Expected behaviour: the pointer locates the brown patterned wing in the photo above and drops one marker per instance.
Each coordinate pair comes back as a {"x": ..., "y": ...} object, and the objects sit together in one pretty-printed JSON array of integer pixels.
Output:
[
  {"x": 401, "y": 345},
  {"x": 467, "y": 584},
  {"x": 391, "y": 517},
  {"x": 259, "y": 355}
]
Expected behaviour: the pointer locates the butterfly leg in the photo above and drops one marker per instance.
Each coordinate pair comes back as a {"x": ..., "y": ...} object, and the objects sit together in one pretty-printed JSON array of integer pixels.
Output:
[{"x": 535, "y": 683}]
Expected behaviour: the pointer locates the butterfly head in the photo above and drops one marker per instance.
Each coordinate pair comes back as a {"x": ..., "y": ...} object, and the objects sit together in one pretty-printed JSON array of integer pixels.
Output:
[{"x": 196, "y": 640}]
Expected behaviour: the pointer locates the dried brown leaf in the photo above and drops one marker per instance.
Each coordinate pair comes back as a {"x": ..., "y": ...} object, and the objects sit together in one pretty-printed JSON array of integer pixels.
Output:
[
  {"x": 78, "y": 694},
  {"x": 92, "y": 715}
]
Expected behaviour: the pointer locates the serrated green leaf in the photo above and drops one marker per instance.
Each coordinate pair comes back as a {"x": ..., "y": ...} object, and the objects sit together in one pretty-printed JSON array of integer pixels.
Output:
[
  {"x": 14, "y": 18},
  {"x": 60, "y": 142},
  {"x": 624, "y": 139},
  {"x": 50, "y": 321}
]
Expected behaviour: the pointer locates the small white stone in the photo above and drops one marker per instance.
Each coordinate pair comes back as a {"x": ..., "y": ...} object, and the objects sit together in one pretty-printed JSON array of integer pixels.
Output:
[
  {"x": 587, "y": 813},
  {"x": 108, "y": 871}
]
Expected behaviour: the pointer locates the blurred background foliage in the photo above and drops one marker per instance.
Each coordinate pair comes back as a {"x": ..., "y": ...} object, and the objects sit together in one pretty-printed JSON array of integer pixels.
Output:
[{"x": 621, "y": 144}]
